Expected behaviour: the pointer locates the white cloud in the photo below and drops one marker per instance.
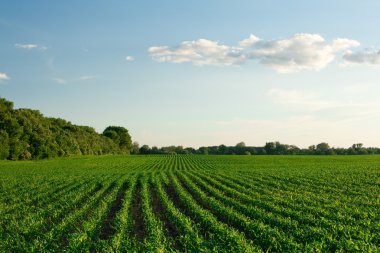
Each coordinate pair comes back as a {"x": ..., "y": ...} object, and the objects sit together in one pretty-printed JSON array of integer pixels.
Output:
[
  {"x": 60, "y": 80},
  {"x": 370, "y": 57},
  {"x": 87, "y": 77},
  {"x": 299, "y": 52},
  {"x": 4, "y": 76},
  {"x": 344, "y": 44},
  {"x": 30, "y": 46},
  {"x": 250, "y": 41},
  {"x": 296, "y": 53},
  {"x": 130, "y": 58},
  {"x": 199, "y": 52},
  {"x": 26, "y": 46}
]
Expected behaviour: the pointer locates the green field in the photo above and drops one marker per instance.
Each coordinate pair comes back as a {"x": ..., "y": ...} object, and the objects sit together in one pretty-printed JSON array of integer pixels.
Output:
[{"x": 191, "y": 203}]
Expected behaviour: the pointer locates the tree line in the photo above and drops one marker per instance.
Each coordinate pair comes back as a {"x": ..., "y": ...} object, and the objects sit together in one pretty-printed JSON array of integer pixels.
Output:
[
  {"x": 26, "y": 134},
  {"x": 270, "y": 148}
]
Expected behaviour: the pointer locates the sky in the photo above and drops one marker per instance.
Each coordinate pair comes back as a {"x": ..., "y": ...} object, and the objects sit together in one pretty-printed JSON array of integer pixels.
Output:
[{"x": 199, "y": 73}]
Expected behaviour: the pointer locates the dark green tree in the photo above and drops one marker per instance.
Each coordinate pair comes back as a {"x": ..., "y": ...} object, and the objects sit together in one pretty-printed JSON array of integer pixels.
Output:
[
  {"x": 323, "y": 149},
  {"x": 27, "y": 134},
  {"x": 120, "y": 136},
  {"x": 145, "y": 149},
  {"x": 4, "y": 145}
]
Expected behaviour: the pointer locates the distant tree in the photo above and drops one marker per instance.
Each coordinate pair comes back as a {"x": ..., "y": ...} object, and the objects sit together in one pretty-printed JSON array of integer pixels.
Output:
[
  {"x": 323, "y": 149},
  {"x": 155, "y": 150},
  {"x": 190, "y": 150},
  {"x": 357, "y": 145},
  {"x": 280, "y": 149},
  {"x": 293, "y": 150},
  {"x": 135, "y": 148},
  {"x": 212, "y": 150},
  {"x": 351, "y": 151},
  {"x": 222, "y": 149},
  {"x": 252, "y": 150},
  {"x": 240, "y": 144},
  {"x": 270, "y": 148},
  {"x": 170, "y": 149},
  {"x": 260, "y": 151},
  {"x": 358, "y": 149},
  {"x": 323, "y": 146},
  {"x": 145, "y": 149},
  {"x": 240, "y": 148},
  {"x": 180, "y": 150},
  {"x": 203, "y": 150}
]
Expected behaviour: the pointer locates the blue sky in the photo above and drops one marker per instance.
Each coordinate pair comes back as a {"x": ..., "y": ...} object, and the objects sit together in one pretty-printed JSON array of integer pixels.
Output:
[{"x": 199, "y": 72}]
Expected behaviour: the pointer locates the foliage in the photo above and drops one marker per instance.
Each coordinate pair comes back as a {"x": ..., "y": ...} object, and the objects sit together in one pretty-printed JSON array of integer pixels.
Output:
[
  {"x": 27, "y": 134},
  {"x": 120, "y": 136}
]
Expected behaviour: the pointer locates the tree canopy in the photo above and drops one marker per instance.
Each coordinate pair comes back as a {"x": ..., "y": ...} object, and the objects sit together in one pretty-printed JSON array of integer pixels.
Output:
[{"x": 27, "y": 134}]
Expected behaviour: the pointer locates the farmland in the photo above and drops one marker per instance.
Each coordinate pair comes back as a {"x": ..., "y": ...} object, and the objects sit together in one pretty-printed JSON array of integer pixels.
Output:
[{"x": 191, "y": 203}]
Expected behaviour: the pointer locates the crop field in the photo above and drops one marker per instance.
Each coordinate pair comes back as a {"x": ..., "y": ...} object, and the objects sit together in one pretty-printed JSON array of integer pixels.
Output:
[{"x": 189, "y": 203}]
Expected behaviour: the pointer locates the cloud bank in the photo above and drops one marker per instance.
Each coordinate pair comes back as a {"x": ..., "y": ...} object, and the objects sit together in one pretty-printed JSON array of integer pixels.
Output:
[{"x": 298, "y": 52}]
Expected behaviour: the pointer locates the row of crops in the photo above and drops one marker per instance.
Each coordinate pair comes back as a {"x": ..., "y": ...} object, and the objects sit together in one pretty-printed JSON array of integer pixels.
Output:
[{"x": 191, "y": 204}]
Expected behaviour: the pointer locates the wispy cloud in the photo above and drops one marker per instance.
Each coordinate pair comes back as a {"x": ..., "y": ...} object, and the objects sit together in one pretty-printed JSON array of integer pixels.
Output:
[
  {"x": 26, "y": 46},
  {"x": 130, "y": 58},
  {"x": 30, "y": 46},
  {"x": 293, "y": 54},
  {"x": 4, "y": 76},
  {"x": 60, "y": 80}
]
